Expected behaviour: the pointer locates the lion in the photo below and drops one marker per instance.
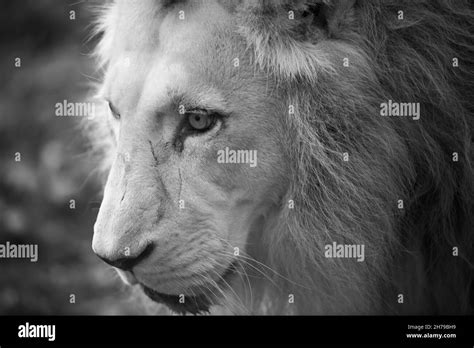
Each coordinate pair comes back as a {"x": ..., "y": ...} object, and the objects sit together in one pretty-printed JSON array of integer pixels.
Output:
[{"x": 288, "y": 157}]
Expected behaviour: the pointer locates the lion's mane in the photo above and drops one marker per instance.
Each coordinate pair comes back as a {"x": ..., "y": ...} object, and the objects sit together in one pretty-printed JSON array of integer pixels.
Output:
[{"x": 337, "y": 110}]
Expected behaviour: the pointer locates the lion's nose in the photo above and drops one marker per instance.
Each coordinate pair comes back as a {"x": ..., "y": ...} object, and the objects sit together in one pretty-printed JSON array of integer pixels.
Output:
[{"x": 126, "y": 263}]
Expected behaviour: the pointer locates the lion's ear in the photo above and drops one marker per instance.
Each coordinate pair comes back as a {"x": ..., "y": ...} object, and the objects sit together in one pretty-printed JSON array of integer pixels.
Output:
[
  {"x": 339, "y": 13},
  {"x": 331, "y": 16},
  {"x": 283, "y": 33},
  {"x": 298, "y": 18}
]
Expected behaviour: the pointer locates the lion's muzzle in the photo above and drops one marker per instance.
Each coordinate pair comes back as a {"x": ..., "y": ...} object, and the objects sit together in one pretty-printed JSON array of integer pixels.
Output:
[{"x": 130, "y": 210}]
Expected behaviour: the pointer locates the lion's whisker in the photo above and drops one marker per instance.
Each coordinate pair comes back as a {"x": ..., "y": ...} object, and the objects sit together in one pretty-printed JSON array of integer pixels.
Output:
[{"x": 243, "y": 307}]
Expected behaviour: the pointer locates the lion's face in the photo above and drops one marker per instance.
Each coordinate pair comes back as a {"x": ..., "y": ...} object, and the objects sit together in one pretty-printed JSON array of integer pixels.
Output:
[{"x": 185, "y": 105}]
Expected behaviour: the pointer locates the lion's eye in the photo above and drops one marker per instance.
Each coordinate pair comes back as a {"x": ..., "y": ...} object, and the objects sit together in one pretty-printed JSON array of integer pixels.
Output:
[
  {"x": 201, "y": 121},
  {"x": 114, "y": 111},
  {"x": 194, "y": 123}
]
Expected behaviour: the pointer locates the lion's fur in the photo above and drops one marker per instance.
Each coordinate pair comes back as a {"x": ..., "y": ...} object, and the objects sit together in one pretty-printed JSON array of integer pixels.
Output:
[
  {"x": 410, "y": 250},
  {"x": 390, "y": 159}
]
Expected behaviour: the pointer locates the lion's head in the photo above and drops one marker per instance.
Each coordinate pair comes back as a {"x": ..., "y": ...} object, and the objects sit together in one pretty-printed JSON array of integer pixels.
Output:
[{"x": 245, "y": 139}]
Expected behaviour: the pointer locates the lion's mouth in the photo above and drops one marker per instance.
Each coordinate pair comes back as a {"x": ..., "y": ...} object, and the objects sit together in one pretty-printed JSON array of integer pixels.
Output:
[{"x": 196, "y": 304}]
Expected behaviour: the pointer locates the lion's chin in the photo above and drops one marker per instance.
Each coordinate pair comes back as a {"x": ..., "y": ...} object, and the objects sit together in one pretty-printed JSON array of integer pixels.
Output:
[
  {"x": 195, "y": 304},
  {"x": 199, "y": 304}
]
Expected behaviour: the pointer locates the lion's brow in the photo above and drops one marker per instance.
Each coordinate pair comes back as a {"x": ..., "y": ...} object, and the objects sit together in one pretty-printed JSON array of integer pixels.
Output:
[{"x": 208, "y": 99}]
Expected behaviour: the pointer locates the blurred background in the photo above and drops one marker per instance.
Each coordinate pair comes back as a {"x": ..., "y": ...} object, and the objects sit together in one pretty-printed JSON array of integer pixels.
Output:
[{"x": 55, "y": 167}]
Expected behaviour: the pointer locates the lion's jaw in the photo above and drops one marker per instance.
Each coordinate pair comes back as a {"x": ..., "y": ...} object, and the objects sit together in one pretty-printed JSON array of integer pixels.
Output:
[{"x": 183, "y": 201}]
